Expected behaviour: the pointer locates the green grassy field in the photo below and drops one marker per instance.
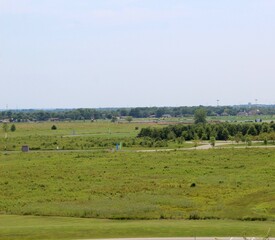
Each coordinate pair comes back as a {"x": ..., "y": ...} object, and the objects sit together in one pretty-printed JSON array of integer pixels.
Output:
[
  {"x": 78, "y": 136},
  {"x": 141, "y": 193},
  {"x": 99, "y": 128},
  {"x": 29, "y": 227},
  {"x": 265, "y": 118},
  {"x": 82, "y": 135},
  {"x": 229, "y": 184}
]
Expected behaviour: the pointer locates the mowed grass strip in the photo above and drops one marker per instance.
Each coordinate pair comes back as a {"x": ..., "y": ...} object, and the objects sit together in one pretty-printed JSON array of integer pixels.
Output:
[
  {"x": 210, "y": 184},
  {"x": 30, "y": 227}
]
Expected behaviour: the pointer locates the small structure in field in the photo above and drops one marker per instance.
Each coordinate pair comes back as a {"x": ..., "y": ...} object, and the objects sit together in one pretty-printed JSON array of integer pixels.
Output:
[
  {"x": 258, "y": 120},
  {"x": 25, "y": 148}
]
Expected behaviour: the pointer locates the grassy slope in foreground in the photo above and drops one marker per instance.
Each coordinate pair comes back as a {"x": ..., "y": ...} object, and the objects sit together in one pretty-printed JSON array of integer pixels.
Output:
[{"x": 29, "y": 227}]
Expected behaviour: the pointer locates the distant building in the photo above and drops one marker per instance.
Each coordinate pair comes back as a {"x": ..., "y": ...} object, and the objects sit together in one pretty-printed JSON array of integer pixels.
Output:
[
  {"x": 166, "y": 116},
  {"x": 254, "y": 112},
  {"x": 242, "y": 114},
  {"x": 225, "y": 114},
  {"x": 54, "y": 119},
  {"x": 5, "y": 120}
]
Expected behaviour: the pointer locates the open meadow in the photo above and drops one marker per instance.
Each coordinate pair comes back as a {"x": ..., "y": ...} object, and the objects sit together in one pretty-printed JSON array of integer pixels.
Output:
[
  {"x": 75, "y": 172},
  {"x": 210, "y": 184},
  {"x": 79, "y": 135}
]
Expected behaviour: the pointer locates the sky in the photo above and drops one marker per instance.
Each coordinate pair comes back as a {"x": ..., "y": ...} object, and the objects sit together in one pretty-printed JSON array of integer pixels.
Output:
[{"x": 133, "y": 53}]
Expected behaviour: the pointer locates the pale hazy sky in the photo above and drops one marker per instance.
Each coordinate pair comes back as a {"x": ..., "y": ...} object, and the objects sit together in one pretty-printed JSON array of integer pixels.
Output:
[{"x": 127, "y": 53}]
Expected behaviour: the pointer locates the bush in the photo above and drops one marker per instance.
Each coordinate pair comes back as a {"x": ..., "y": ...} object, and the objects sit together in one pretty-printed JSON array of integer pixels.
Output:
[
  {"x": 13, "y": 128},
  {"x": 194, "y": 216},
  {"x": 54, "y": 127}
]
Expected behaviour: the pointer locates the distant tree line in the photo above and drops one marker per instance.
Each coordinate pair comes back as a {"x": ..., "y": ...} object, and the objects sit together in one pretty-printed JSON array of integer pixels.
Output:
[
  {"x": 221, "y": 131},
  {"x": 139, "y": 112}
]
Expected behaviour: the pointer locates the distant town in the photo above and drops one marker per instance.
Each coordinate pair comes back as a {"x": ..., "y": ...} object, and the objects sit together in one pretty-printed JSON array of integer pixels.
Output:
[{"x": 26, "y": 115}]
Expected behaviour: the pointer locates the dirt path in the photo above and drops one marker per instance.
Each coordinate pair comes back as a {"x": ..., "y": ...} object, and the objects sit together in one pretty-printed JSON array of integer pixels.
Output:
[
  {"x": 201, "y": 147},
  {"x": 218, "y": 145}
]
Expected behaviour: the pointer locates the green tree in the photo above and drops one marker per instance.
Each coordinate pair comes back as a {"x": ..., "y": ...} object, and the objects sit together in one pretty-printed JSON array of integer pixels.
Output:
[
  {"x": 272, "y": 137},
  {"x": 171, "y": 135},
  {"x": 264, "y": 137},
  {"x": 13, "y": 128},
  {"x": 196, "y": 140},
  {"x": 212, "y": 141},
  {"x": 181, "y": 140},
  {"x": 248, "y": 140},
  {"x": 231, "y": 138},
  {"x": 238, "y": 137},
  {"x": 265, "y": 141},
  {"x": 129, "y": 119},
  {"x": 225, "y": 134},
  {"x": 200, "y": 116},
  {"x": 5, "y": 128},
  {"x": 252, "y": 130},
  {"x": 114, "y": 119}
]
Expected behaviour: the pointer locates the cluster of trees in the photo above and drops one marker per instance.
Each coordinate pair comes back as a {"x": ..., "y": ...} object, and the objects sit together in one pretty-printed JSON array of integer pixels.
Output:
[
  {"x": 140, "y": 112},
  {"x": 62, "y": 114},
  {"x": 222, "y": 131}
]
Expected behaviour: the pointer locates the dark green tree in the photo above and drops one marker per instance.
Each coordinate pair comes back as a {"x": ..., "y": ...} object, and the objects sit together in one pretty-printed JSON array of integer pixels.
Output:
[
  {"x": 252, "y": 130},
  {"x": 200, "y": 116},
  {"x": 225, "y": 134},
  {"x": 13, "y": 128},
  {"x": 114, "y": 119}
]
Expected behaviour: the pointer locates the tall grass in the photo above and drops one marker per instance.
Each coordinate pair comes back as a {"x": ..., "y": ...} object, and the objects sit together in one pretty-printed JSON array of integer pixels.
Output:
[{"x": 211, "y": 184}]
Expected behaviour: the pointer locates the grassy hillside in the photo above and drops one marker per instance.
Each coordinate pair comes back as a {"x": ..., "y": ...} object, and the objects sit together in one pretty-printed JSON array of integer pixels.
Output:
[{"x": 219, "y": 184}]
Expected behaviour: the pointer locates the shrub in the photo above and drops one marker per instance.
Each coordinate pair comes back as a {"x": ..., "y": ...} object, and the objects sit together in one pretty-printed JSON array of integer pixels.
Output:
[
  {"x": 194, "y": 216},
  {"x": 13, "y": 128}
]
